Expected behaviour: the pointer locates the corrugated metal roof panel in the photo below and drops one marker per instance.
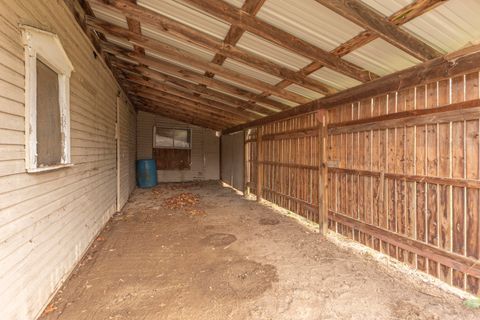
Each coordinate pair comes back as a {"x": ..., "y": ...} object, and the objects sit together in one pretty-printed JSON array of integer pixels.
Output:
[
  {"x": 177, "y": 43},
  {"x": 310, "y": 21},
  {"x": 272, "y": 52},
  {"x": 188, "y": 15},
  {"x": 241, "y": 86},
  {"x": 450, "y": 26},
  {"x": 110, "y": 16},
  {"x": 284, "y": 101},
  {"x": 389, "y": 7},
  {"x": 158, "y": 56},
  {"x": 251, "y": 72},
  {"x": 120, "y": 42},
  {"x": 333, "y": 78},
  {"x": 175, "y": 75},
  {"x": 381, "y": 58},
  {"x": 307, "y": 93}
]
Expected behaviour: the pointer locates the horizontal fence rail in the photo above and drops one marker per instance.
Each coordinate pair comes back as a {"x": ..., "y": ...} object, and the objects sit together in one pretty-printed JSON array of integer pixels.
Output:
[{"x": 398, "y": 172}]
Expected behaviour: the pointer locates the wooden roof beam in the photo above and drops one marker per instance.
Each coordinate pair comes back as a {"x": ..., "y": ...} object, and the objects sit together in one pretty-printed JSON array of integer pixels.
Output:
[
  {"x": 211, "y": 105},
  {"x": 233, "y": 15},
  {"x": 177, "y": 82},
  {"x": 134, "y": 26},
  {"x": 452, "y": 64},
  {"x": 169, "y": 112},
  {"x": 190, "y": 59},
  {"x": 364, "y": 16},
  {"x": 164, "y": 104},
  {"x": 190, "y": 75},
  {"x": 413, "y": 10},
  {"x": 177, "y": 105},
  {"x": 211, "y": 43},
  {"x": 235, "y": 33}
]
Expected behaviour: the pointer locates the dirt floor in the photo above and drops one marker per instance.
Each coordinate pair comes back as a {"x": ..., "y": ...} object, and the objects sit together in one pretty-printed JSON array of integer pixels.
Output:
[{"x": 200, "y": 251}]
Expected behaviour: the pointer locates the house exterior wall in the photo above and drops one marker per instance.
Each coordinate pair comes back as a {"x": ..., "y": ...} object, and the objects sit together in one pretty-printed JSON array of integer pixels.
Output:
[
  {"x": 233, "y": 160},
  {"x": 48, "y": 220},
  {"x": 205, "y": 149},
  {"x": 127, "y": 119}
]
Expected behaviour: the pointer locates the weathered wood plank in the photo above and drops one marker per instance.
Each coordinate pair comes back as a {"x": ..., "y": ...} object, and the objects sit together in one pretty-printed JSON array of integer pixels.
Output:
[
  {"x": 209, "y": 42},
  {"x": 233, "y": 15},
  {"x": 465, "y": 60},
  {"x": 452, "y": 260},
  {"x": 369, "y": 19}
]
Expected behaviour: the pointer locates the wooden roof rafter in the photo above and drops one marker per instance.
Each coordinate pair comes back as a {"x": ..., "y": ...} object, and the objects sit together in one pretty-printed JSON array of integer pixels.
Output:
[
  {"x": 369, "y": 19},
  {"x": 144, "y": 72},
  {"x": 153, "y": 64},
  {"x": 227, "y": 12},
  {"x": 191, "y": 84},
  {"x": 134, "y": 26},
  {"x": 461, "y": 61},
  {"x": 193, "y": 108},
  {"x": 202, "y": 39},
  {"x": 160, "y": 103},
  {"x": 404, "y": 15},
  {"x": 235, "y": 32},
  {"x": 174, "y": 113},
  {"x": 213, "y": 105},
  {"x": 185, "y": 57}
]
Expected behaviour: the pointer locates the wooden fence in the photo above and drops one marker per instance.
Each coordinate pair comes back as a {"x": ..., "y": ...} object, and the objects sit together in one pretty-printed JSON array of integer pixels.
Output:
[
  {"x": 283, "y": 163},
  {"x": 403, "y": 174}
]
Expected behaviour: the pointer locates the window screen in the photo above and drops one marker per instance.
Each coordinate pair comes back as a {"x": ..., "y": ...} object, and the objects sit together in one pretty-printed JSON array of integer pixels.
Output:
[
  {"x": 167, "y": 138},
  {"x": 49, "y": 135}
]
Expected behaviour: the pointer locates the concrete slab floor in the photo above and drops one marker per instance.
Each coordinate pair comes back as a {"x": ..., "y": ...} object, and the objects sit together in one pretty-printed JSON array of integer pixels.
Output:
[{"x": 229, "y": 258}]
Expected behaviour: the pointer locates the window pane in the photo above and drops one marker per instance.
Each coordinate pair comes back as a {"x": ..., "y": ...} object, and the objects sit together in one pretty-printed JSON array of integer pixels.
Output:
[
  {"x": 49, "y": 135},
  {"x": 163, "y": 138},
  {"x": 182, "y": 139}
]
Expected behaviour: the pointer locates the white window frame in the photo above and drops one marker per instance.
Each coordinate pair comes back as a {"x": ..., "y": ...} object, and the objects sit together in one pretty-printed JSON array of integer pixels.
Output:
[{"x": 45, "y": 46}]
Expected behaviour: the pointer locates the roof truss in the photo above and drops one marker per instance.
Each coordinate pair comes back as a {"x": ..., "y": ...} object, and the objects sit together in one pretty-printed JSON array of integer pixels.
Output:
[{"x": 220, "y": 97}]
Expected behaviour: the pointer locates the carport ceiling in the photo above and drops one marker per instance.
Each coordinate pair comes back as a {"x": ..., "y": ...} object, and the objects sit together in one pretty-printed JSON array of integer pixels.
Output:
[{"x": 219, "y": 64}]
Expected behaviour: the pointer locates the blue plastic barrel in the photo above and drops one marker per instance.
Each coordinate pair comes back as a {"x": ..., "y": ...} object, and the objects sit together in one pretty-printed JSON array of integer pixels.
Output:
[{"x": 146, "y": 173}]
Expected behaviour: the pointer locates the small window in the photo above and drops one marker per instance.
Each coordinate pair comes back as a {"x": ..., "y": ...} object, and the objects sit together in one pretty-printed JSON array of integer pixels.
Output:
[
  {"x": 172, "y": 148},
  {"x": 172, "y": 138},
  {"x": 49, "y": 135},
  {"x": 47, "y": 101}
]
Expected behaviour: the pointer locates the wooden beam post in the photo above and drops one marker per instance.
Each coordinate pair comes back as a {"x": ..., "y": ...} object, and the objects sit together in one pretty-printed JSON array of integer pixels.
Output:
[
  {"x": 246, "y": 184},
  {"x": 322, "y": 172},
  {"x": 259, "y": 163}
]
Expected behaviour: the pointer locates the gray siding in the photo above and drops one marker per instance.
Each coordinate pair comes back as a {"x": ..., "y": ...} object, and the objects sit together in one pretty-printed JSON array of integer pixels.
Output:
[
  {"x": 233, "y": 160},
  {"x": 47, "y": 220},
  {"x": 205, "y": 149}
]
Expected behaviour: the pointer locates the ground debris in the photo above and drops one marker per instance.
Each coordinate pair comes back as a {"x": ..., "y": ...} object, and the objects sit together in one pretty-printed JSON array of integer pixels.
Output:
[
  {"x": 182, "y": 200},
  {"x": 161, "y": 188},
  {"x": 197, "y": 212},
  {"x": 49, "y": 309}
]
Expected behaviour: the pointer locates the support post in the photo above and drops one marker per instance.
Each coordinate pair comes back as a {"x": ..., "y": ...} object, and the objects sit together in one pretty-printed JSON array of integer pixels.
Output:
[
  {"x": 246, "y": 158},
  {"x": 220, "y": 160},
  {"x": 259, "y": 163},
  {"x": 322, "y": 172}
]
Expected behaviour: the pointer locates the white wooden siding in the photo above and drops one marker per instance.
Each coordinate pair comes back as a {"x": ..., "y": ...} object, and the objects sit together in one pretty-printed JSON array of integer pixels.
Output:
[
  {"x": 205, "y": 149},
  {"x": 127, "y": 152},
  {"x": 47, "y": 220}
]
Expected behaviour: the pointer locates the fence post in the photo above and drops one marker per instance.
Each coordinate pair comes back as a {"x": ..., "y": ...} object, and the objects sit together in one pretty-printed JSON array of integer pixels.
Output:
[
  {"x": 322, "y": 172},
  {"x": 259, "y": 163}
]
